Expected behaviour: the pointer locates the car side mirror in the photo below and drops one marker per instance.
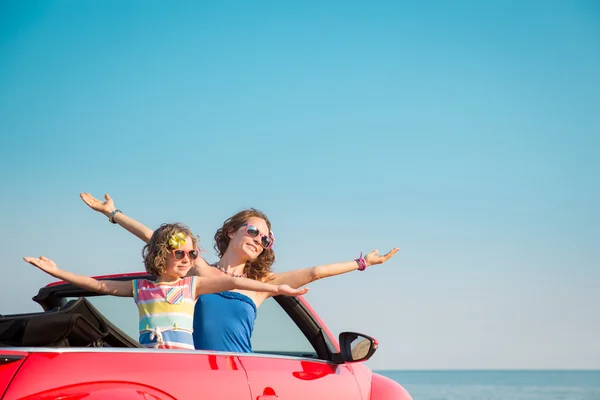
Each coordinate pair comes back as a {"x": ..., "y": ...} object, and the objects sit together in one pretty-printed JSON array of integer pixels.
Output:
[{"x": 357, "y": 346}]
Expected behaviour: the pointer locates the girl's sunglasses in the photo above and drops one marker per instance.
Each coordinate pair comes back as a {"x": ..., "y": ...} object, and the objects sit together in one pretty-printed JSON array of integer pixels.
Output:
[
  {"x": 265, "y": 241},
  {"x": 180, "y": 254}
]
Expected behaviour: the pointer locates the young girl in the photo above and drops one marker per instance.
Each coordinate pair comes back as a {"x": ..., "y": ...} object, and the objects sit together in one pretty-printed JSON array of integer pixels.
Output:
[{"x": 166, "y": 306}]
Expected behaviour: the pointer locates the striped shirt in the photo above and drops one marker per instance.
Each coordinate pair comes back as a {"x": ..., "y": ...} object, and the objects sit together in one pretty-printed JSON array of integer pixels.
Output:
[{"x": 166, "y": 311}]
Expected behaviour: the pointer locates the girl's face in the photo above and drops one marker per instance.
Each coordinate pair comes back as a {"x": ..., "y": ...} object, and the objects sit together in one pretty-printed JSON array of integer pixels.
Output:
[
  {"x": 180, "y": 261},
  {"x": 246, "y": 245}
]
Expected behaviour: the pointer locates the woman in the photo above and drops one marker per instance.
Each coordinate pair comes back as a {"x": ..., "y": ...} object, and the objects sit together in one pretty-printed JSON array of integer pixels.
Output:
[{"x": 225, "y": 321}]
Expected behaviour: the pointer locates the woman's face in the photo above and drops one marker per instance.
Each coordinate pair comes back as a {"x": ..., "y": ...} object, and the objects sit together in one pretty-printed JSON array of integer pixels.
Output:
[{"x": 250, "y": 247}]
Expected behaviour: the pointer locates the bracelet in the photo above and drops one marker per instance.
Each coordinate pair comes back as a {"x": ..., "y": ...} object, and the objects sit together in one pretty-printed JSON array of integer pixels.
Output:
[
  {"x": 111, "y": 216},
  {"x": 362, "y": 264}
]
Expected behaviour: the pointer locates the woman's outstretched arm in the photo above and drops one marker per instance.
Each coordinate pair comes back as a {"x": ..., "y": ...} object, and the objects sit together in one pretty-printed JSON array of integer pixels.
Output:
[
  {"x": 114, "y": 288},
  {"x": 110, "y": 211},
  {"x": 301, "y": 277}
]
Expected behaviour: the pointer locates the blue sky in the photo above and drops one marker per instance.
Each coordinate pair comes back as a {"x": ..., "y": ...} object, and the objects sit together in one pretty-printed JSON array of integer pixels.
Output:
[{"x": 465, "y": 134}]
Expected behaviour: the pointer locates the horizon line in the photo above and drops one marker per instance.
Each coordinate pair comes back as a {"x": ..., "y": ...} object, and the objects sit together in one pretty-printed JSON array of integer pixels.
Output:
[{"x": 490, "y": 370}]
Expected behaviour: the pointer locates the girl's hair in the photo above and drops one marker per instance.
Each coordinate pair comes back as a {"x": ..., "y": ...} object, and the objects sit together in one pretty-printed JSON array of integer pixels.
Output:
[
  {"x": 157, "y": 250},
  {"x": 258, "y": 269}
]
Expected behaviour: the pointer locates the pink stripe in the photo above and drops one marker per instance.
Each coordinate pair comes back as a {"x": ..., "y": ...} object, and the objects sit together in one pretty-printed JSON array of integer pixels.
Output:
[
  {"x": 174, "y": 347},
  {"x": 167, "y": 346},
  {"x": 148, "y": 290}
]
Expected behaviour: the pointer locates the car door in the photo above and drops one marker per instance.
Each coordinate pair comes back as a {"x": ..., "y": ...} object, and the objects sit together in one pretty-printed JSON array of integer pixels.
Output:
[
  {"x": 271, "y": 378},
  {"x": 286, "y": 366},
  {"x": 178, "y": 373},
  {"x": 185, "y": 374}
]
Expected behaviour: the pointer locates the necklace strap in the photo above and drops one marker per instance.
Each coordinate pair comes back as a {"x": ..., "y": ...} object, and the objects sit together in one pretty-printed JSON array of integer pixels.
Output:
[{"x": 217, "y": 266}]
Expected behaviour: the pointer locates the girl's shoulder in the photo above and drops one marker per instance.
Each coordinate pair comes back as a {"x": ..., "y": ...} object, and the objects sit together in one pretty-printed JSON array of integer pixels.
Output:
[{"x": 187, "y": 280}]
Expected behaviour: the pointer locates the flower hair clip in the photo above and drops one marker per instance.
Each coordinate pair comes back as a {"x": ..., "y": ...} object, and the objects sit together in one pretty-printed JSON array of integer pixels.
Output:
[{"x": 177, "y": 240}]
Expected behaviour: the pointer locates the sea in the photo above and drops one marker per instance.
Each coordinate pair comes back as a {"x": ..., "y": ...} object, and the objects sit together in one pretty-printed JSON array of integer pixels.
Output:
[{"x": 499, "y": 385}]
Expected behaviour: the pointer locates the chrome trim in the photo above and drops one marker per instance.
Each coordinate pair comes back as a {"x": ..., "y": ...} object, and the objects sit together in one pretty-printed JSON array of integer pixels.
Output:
[{"x": 153, "y": 351}]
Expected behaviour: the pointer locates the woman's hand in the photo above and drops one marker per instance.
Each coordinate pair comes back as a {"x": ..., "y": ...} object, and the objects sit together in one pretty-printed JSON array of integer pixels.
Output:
[
  {"x": 289, "y": 291},
  {"x": 43, "y": 263},
  {"x": 374, "y": 258},
  {"x": 104, "y": 207}
]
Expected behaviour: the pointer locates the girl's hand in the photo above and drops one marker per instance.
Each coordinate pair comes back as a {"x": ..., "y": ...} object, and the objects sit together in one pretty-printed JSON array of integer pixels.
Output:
[
  {"x": 374, "y": 258},
  {"x": 289, "y": 291},
  {"x": 105, "y": 207},
  {"x": 43, "y": 263}
]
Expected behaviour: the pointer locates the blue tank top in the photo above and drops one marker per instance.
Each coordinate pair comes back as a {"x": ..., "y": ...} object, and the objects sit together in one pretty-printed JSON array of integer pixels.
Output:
[{"x": 224, "y": 322}]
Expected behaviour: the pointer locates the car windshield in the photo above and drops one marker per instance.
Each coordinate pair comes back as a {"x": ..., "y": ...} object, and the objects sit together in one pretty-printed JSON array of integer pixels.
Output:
[{"x": 274, "y": 332}]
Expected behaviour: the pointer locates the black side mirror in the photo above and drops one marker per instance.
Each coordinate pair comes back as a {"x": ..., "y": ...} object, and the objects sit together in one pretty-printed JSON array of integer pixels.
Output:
[{"x": 357, "y": 346}]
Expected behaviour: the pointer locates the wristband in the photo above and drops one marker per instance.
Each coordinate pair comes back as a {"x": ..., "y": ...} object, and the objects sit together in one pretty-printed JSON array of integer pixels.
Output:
[
  {"x": 111, "y": 216},
  {"x": 362, "y": 264}
]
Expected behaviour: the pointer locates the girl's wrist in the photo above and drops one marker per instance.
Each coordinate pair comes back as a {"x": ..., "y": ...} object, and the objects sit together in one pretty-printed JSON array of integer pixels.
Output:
[
  {"x": 108, "y": 212},
  {"x": 111, "y": 215}
]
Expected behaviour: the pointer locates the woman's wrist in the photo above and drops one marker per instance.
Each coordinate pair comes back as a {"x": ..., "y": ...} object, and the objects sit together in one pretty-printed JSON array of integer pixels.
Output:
[{"x": 361, "y": 262}]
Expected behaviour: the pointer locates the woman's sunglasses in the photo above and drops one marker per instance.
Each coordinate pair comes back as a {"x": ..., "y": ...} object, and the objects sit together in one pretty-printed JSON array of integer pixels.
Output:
[
  {"x": 265, "y": 241},
  {"x": 180, "y": 254}
]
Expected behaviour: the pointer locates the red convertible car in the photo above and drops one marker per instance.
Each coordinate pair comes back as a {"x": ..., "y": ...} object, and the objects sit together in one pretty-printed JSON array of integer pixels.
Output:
[{"x": 81, "y": 347}]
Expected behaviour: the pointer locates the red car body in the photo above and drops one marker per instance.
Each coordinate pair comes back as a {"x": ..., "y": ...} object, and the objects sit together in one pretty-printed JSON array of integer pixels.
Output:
[{"x": 117, "y": 367}]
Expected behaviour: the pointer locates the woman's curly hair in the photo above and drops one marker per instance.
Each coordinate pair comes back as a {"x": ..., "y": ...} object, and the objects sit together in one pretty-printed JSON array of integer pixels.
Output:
[
  {"x": 157, "y": 250},
  {"x": 258, "y": 269}
]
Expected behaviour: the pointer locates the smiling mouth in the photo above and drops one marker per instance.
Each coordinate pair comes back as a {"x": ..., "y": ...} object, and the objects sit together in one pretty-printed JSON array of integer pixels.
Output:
[{"x": 253, "y": 247}]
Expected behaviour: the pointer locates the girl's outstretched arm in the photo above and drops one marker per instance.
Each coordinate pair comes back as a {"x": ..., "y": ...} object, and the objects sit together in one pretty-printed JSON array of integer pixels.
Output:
[
  {"x": 301, "y": 277},
  {"x": 140, "y": 230},
  {"x": 114, "y": 288},
  {"x": 221, "y": 284},
  {"x": 108, "y": 207}
]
